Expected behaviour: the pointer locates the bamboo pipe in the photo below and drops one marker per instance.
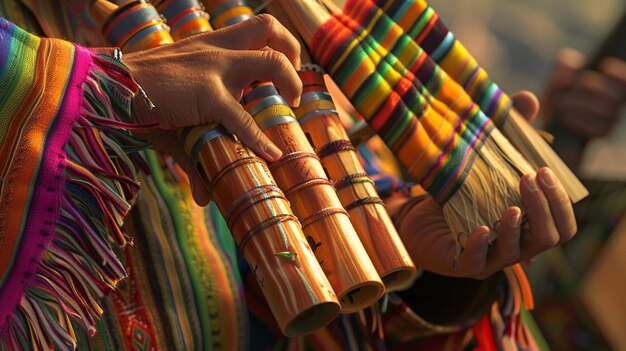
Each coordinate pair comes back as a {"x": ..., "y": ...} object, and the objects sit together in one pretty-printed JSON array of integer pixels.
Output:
[
  {"x": 267, "y": 233},
  {"x": 227, "y": 12},
  {"x": 300, "y": 174},
  {"x": 324, "y": 130},
  {"x": 184, "y": 17}
]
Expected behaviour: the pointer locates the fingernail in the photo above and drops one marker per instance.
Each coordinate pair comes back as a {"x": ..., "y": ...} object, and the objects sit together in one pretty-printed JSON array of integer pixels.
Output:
[
  {"x": 489, "y": 237},
  {"x": 515, "y": 220},
  {"x": 486, "y": 233},
  {"x": 531, "y": 183},
  {"x": 485, "y": 236},
  {"x": 273, "y": 152},
  {"x": 548, "y": 179},
  {"x": 296, "y": 102}
]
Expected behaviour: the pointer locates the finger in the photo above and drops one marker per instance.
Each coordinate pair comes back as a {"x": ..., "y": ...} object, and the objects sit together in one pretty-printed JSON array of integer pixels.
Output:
[
  {"x": 250, "y": 66},
  {"x": 615, "y": 69},
  {"x": 474, "y": 256},
  {"x": 199, "y": 189},
  {"x": 543, "y": 233},
  {"x": 560, "y": 204},
  {"x": 598, "y": 86},
  {"x": 585, "y": 126},
  {"x": 568, "y": 62},
  {"x": 257, "y": 33},
  {"x": 600, "y": 107},
  {"x": 526, "y": 103},
  {"x": 506, "y": 250},
  {"x": 240, "y": 123}
]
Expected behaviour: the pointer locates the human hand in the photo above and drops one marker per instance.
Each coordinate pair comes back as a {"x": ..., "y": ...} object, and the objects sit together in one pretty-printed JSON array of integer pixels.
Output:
[
  {"x": 549, "y": 222},
  {"x": 200, "y": 80},
  {"x": 586, "y": 102}
]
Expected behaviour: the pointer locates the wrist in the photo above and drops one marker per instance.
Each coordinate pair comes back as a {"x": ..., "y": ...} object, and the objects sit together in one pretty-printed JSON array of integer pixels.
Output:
[{"x": 141, "y": 104}]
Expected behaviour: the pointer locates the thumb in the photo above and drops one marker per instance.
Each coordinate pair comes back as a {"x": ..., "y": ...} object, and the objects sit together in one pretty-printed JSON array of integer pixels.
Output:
[
  {"x": 198, "y": 188},
  {"x": 526, "y": 103}
]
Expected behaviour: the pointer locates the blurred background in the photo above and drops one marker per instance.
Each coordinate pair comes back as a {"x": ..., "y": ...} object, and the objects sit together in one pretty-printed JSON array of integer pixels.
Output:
[
  {"x": 580, "y": 288},
  {"x": 516, "y": 42}
]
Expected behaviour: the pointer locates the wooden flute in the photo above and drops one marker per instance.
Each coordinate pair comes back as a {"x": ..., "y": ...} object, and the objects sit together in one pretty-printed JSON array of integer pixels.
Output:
[
  {"x": 322, "y": 125},
  {"x": 300, "y": 174},
  {"x": 259, "y": 215}
]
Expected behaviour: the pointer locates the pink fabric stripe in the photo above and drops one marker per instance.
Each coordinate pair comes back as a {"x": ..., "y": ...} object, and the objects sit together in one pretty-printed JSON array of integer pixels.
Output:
[{"x": 46, "y": 197}]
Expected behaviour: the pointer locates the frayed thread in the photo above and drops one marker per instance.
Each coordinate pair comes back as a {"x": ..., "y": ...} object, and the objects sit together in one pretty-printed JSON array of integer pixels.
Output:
[{"x": 79, "y": 267}]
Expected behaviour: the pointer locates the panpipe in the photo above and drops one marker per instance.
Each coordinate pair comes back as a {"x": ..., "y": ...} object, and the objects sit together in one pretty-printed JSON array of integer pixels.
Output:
[
  {"x": 325, "y": 131},
  {"x": 258, "y": 213},
  {"x": 322, "y": 126},
  {"x": 184, "y": 17},
  {"x": 300, "y": 174},
  {"x": 226, "y": 12},
  {"x": 324, "y": 220}
]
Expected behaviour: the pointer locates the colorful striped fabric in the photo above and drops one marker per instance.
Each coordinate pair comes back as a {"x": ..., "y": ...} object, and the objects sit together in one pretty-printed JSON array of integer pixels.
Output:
[
  {"x": 67, "y": 183},
  {"x": 178, "y": 262},
  {"x": 181, "y": 284},
  {"x": 434, "y": 129},
  {"x": 423, "y": 24}
]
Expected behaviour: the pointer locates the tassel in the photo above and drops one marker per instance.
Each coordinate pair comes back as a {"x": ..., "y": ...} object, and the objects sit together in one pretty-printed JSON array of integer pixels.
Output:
[{"x": 79, "y": 267}]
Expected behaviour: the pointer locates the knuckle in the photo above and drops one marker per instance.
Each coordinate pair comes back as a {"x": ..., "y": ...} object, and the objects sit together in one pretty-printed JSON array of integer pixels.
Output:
[
  {"x": 561, "y": 198},
  {"x": 267, "y": 22},
  {"x": 480, "y": 276},
  {"x": 244, "y": 123},
  {"x": 473, "y": 270},
  {"x": 277, "y": 59},
  {"x": 547, "y": 242}
]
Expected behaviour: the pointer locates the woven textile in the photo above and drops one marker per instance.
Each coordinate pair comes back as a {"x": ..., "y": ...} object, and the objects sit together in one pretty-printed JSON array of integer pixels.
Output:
[
  {"x": 419, "y": 21},
  {"x": 434, "y": 129},
  {"x": 66, "y": 185}
]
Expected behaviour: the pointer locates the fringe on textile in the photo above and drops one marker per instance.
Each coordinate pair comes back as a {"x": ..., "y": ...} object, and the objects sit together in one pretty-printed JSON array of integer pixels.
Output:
[{"x": 79, "y": 267}]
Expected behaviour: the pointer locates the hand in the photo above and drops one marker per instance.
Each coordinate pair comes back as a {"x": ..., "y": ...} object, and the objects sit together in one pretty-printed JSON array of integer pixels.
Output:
[
  {"x": 200, "y": 80},
  {"x": 587, "y": 102},
  {"x": 550, "y": 222}
]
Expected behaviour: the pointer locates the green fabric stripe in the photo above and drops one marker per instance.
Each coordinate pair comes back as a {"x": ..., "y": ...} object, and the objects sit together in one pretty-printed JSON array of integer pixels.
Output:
[
  {"x": 421, "y": 22},
  {"x": 18, "y": 77},
  {"x": 164, "y": 191}
]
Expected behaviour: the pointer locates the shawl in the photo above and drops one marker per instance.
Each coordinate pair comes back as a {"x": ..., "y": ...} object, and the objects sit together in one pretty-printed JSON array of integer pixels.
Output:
[{"x": 67, "y": 183}]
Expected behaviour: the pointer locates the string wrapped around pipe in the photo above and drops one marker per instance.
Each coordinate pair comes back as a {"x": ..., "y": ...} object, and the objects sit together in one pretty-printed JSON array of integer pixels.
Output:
[
  {"x": 300, "y": 174},
  {"x": 356, "y": 191}
]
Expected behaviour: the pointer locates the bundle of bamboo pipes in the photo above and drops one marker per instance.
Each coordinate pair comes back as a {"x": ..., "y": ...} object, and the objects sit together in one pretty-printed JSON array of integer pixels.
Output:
[
  {"x": 261, "y": 221},
  {"x": 299, "y": 173},
  {"x": 324, "y": 130}
]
